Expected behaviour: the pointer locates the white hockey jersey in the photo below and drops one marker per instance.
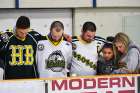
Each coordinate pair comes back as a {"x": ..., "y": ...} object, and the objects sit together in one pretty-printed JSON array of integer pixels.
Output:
[
  {"x": 85, "y": 56},
  {"x": 53, "y": 59}
]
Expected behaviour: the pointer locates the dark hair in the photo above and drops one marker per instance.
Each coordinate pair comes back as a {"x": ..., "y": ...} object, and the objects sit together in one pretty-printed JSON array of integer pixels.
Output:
[
  {"x": 23, "y": 22},
  {"x": 110, "y": 39},
  {"x": 57, "y": 24},
  {"x": 108, "y": 45},
  {"x": 89, "y": 26}
]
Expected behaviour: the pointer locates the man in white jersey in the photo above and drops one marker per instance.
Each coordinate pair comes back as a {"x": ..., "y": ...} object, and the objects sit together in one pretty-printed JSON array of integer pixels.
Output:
[
  {"x": 85, "y": 51},
  {"x": 54, "y": 53}
]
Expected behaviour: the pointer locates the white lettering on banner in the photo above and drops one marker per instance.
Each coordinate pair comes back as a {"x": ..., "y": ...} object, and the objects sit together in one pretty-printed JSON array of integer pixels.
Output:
[{"x": 118, "y": 84}]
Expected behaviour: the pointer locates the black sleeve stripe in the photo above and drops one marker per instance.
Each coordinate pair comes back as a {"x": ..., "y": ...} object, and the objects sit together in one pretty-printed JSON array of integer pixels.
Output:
[
  {"x": 32, "y": 37},
  {"x": 98, "y": 37},
  {"x": 74, "y": 40},
  {"x": 74, "y": 37},
  {"x": 100, "y": 40}
]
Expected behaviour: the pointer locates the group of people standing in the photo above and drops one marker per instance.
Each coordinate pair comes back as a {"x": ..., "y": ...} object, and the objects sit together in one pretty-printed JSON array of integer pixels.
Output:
[{"x": 27, "y": 54}]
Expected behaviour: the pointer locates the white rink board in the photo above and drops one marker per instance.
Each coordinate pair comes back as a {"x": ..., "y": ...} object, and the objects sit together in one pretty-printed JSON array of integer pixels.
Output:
[{"x": 22, "y": 87}]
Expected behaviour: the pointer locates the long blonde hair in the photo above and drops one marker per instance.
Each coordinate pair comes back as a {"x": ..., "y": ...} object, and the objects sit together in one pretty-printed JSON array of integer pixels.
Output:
[{"x": 123, "y": 38}]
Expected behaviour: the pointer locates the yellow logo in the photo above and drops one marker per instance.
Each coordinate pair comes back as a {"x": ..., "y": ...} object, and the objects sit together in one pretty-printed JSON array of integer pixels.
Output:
[{"x": 21, "y": 55}]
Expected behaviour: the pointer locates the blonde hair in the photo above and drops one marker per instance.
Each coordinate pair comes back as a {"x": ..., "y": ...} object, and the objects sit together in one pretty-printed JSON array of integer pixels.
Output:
[
  {"x": 123, "y": 38},
  {"x": 114, "y": 51}
]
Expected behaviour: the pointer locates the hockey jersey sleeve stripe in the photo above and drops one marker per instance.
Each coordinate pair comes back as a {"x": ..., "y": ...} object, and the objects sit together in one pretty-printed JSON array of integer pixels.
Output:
[
  {"x": 33, "y": 38},
  {"x": 74, "y": 38},
  {"x": 100, "y": 39}
]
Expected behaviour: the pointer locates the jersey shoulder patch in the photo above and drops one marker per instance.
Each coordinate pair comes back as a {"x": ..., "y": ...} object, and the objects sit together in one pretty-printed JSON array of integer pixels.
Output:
[
  {"x": 41, "y": 44},
  {"x": 5, "y": 36}
]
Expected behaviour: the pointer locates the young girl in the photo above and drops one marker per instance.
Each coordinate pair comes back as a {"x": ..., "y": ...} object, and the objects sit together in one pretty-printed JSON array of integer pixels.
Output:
[{"x": 107, "y": 63}]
